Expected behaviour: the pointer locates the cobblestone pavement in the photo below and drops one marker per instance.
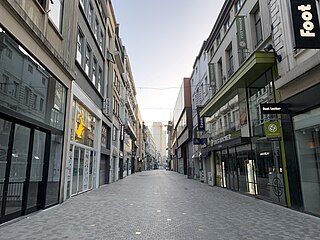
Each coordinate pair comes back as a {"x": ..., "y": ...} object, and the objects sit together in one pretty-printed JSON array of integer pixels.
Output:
[{"x": 163, "y": 205}]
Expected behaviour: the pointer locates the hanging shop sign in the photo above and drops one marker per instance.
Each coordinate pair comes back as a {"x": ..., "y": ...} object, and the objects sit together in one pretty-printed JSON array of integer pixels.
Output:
[
  {"x": 241, "y": 33},
  {"x": 201, "y": 122},
  {"x": 305, "y": 24},
  {"x": 212, "y": 75},
  {"x": 272, "y": 130},
  {"x": 199, "y": 141},
  {"x": 272, "y": 108}
]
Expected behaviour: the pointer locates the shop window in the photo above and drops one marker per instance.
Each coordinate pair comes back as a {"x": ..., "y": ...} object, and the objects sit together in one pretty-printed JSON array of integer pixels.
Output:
[{"x": 56, "y": 12}]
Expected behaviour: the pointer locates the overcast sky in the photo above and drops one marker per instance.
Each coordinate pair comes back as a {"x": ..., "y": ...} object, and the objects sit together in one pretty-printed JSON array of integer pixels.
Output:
[{"x": 162, "y": 39}]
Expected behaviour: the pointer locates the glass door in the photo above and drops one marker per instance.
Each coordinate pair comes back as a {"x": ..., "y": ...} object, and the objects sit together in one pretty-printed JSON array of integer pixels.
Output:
[
  {"x": 22, "y": 157},
  {"x": 17, "y": 172}
]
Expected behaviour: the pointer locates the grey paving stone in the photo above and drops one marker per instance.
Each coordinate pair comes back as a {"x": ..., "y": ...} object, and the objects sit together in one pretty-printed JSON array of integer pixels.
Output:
[{"x": 196, "y": 211}]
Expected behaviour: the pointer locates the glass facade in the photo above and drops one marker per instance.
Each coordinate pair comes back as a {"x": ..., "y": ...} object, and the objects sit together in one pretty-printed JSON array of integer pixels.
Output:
[
  {"x": 306, "y": 129},
  {"x": 32, "y": 118}
]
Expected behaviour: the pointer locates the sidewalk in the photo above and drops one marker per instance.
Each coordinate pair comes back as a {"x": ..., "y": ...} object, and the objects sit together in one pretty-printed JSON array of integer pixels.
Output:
[{"x": 163, "y": 205}]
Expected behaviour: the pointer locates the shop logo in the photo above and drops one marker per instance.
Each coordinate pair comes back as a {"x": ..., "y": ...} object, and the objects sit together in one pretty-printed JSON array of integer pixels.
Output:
[
  {"x": 273, "y": 128},
  {"x": 308, "y": 26},
  {"x": 305, "y": 24}
]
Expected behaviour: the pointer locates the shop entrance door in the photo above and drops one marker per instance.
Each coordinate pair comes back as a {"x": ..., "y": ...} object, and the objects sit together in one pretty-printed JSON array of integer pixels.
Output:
[{"x": 22, "y": 158}]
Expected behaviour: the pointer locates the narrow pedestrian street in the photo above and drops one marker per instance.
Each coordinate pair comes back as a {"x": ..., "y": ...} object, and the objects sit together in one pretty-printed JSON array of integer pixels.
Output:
[{"x": 163, "y": 205}]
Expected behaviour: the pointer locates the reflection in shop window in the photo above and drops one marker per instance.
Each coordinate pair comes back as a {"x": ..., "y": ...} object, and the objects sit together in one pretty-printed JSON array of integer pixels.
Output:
[{"x": 83, "y": 129}]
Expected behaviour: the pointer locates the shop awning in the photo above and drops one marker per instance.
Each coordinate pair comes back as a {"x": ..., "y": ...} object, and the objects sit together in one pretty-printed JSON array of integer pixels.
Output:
[{"x": 250, "y": 70}]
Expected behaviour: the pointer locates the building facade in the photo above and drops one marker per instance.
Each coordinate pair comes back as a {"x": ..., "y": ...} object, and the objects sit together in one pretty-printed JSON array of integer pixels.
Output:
[
  {"x": 182, "y": 122},
  {"x": 241, "y": 156},
  {"x": 36, "y": 74},
  {"x": 298, "y": 88}
]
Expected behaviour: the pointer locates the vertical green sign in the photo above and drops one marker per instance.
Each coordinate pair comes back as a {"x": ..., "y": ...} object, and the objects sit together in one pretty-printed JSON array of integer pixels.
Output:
[
  {"x": 272, "y": 129},
  {"x": 241, "y": 31},
  {"x": 212, "y": 75}
]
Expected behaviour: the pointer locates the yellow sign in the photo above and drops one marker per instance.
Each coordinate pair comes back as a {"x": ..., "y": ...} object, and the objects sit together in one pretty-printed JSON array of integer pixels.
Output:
[{"x": 80, "y": 126}]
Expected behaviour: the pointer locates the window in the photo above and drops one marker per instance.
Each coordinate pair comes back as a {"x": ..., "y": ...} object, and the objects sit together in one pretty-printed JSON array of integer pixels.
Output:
[
  {"x": 218, "y": 39},
  {"x": 9, "y": 53},
  {"x": 27, "y": 95},
  {"x": 90, "y": 14},
  {"x": 80, "y": 39},
  {"x": 212, "y": 51},
  {"x": 114, "y": 133},
  {"x": 96, "y": 28},
  {"x": 230, "y": 60},
  {"x": 258, "y": 27},
  {"x": 42, "y": 3},
  {"x": 99, "y": 79},
  {"x": 56, "y": 13},
  {"x": 41, "y": 104},
  {"x": 4, "y": 83},
  {"x": 94, "y": 70},
  {"x": 14, "y": 92},
  {"x": 227, "y": 24},
  {"x": 88, "y": 60},
  {"x": 30, "y": 69},
  {"x": 34, "y": 101},
  {"x": 220, "y": 71},
  {"x": 101, "y": 40},
  {"x": 238, "y": 5}
]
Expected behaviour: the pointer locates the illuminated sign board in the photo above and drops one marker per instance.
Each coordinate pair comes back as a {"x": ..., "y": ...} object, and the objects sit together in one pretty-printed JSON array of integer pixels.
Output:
[{"x": 305, "y": 24}]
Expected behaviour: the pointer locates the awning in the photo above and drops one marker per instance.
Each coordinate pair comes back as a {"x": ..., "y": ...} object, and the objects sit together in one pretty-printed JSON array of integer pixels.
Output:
[{"x": 250, "y": 70}]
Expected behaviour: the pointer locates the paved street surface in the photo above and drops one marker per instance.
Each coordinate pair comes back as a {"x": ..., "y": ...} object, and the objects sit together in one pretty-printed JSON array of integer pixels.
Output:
[{"x": 163, "y": 205}]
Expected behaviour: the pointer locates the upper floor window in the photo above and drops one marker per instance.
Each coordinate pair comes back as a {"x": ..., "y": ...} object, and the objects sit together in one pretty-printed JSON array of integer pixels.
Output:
[
  {"x": 227, "y": 24},
  {"x": 258, "y": 27},
  {"x": 88, "y": 60},
  {"x": 96, "y": 28},
  {"x": 99, "y": 79},
  {"x": 230, "y": 60},
  {"x": 238, "y": 5},
  {"x": 90, "y": 14},
  {"x": 218, "y": 39},
  {"x": 101, "y": 40},
  {"x": 9, "y": 53},
  {"x": 56, "y": 12},
  {"x": 80, "y": 40},
  {"x": 94, "y": 70},
  {"x": 42, "y": 3}
]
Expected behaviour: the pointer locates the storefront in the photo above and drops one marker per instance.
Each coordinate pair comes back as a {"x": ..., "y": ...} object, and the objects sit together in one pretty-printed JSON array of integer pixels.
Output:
[
  {"x": 85, "y": 142},
  {"x": 32, "y": 109},
  {"x": 302, "y": 138},
  {"x": 245, "y": 158}
]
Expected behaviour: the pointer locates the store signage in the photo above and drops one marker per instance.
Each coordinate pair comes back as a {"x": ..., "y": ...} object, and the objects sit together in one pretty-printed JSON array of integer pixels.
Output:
[
  {"x": 199, "y": 141},
  {"x": 201, "y": 122},
  {"x": 241, "y": 32},
  {"x": 272, "y": 130},
  {"x": 122, "y": 132},
  {"x": 272, "y": 108},
  {"x": 223, "y": 139},
  {"x": 305, "y": 24},
  {"x": 212, "y": 75}
]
